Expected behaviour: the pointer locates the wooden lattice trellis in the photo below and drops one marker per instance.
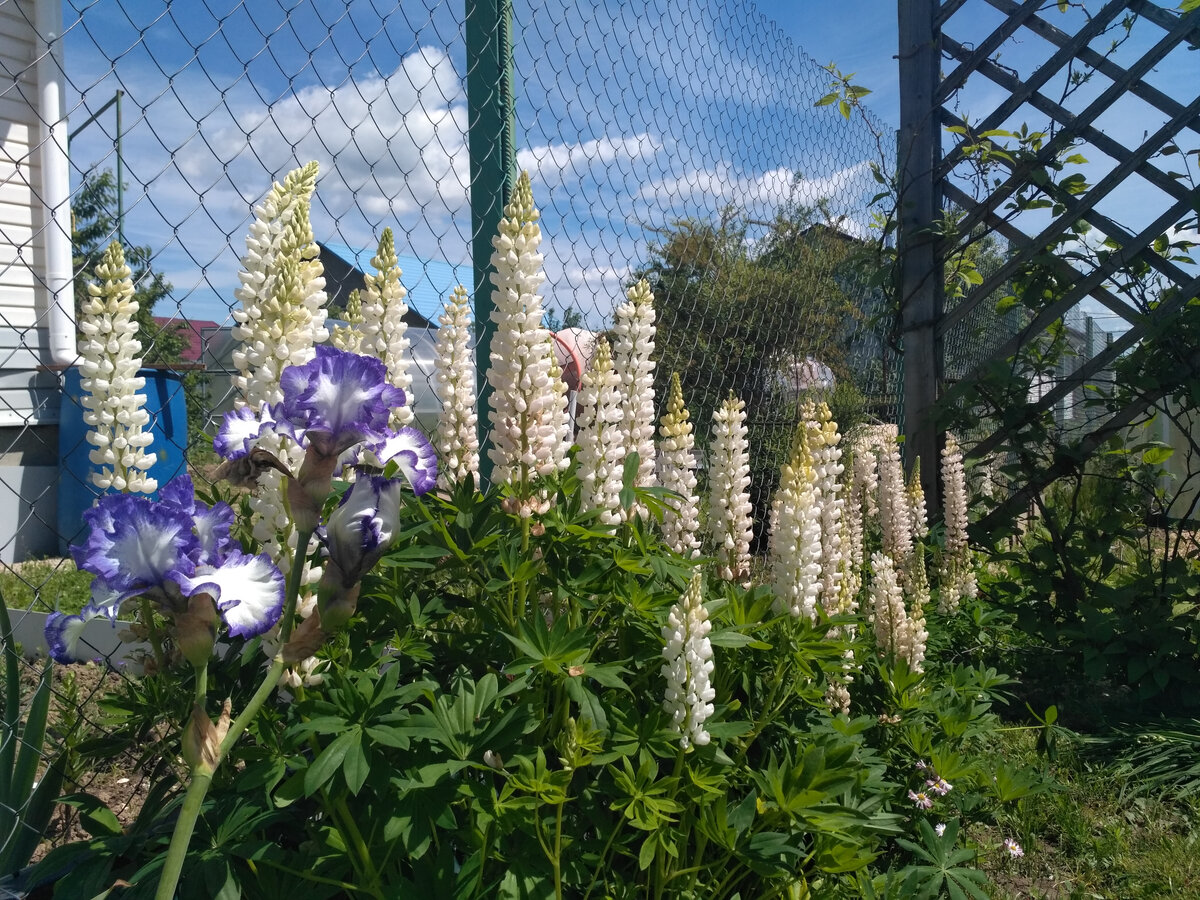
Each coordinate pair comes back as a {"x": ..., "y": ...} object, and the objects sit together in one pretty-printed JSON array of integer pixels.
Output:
[{"x": 934, "y": 71}]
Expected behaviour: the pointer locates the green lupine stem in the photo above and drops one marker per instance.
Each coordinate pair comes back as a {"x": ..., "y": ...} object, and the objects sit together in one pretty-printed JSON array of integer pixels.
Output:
[{"x": 202, "y": 772}]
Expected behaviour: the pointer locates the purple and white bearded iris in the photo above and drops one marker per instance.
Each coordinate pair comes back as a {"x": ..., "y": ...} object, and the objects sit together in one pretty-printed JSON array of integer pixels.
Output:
[
  {"x": 171, "y": 551},
  {"x": 335, "y": 403}
]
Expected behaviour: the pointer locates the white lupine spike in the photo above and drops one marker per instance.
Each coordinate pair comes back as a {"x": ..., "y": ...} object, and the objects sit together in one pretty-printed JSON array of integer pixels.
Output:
[
  {"x": 730, "y": 514},
  {"x": 528, "y": 415},
  {"x": 795, "y": 544},
  {"x": 917, "y": 588},
  {"x": 457, "y": 438},
  {"x": 916, "y": 502},
  {"x": 281, "y": 321},
  {"x": 888, "y": 614},
  {"x": 689, "y": 665},
  {"x": 384, "y": 329},
  {"x": 677, "y": 463},
  {"x": 349, "y": 337},
  {"x": 825, "y": 443},
  {"x": 601, "y": 449},
  {"x": 112, "y": 356},
  {"x": 956, "y": 574},
  {"x": 895, "y": 511},
  {"x": 635, "y": 332}
]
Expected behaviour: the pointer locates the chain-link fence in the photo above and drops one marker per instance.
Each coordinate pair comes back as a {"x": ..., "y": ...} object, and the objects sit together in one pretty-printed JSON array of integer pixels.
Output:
[{"x": 672, "y": 140}]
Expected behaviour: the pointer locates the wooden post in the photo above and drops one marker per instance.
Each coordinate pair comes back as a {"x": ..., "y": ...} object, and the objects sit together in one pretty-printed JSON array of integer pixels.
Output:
[{"x": 921, "y": 276}]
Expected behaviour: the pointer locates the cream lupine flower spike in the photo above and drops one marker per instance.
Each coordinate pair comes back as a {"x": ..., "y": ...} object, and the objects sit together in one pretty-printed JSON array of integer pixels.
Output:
[
  {"x": 956, "y": 574},
  {"x": 795, "y": 545},
  {"x": 384, "y": 328},
  {"x": 677, "y": 457},
  {"x": 349, "y": 337},
  {"x": 281, "y": 321},
  {"x": 113, "y": 408},
  {"x": 635, "y": 331},
  {"x": 689, "y": 665},
  {"x": 528, "y": 417},
  {"x": 601, "y": 450},
  {"x": 730, "y": 515},
  {"x": 457, "y": 438}
]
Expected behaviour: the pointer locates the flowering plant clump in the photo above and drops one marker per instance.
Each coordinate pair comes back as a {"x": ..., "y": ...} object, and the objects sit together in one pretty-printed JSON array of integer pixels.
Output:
[
  {"x": 516, "y": 689},
  {"x": 111, "y": 357}
]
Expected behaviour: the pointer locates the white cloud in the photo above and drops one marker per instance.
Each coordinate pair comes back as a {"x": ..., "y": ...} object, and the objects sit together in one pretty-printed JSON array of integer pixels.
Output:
[
  {"x": 764, "y": 191},
  {"x": 561, "y": 163}
]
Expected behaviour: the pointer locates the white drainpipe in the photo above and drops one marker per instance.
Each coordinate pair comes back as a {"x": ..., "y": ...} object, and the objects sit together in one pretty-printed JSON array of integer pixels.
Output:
[{"x": 56, "y": 182}]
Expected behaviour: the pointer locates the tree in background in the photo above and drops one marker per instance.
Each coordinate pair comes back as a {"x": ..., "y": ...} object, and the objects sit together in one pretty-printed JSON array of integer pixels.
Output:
[
  {"x": 759, "y": 318},
  {"x": 93, "y": 228}
]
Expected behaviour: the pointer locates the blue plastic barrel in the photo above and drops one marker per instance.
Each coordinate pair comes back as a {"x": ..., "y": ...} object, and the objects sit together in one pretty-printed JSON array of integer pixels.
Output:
[{"x": 167, "y": 407}]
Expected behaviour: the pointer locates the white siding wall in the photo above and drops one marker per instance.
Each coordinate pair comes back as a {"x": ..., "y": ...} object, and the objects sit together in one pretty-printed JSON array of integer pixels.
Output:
[{"x": 29, "y": 395}]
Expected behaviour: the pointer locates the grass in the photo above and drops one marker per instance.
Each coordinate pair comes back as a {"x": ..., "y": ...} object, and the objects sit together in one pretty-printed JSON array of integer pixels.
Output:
[
  {"x": 45, "y": 585},
  {"x": 1099, "y": 835}
]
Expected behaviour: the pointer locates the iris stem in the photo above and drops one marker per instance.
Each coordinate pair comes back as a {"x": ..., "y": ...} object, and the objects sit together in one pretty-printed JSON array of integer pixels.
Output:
[{"x": 202, "y": 772}]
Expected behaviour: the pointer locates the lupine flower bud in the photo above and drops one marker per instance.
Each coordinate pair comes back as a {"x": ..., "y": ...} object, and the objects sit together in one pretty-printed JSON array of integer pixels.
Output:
[
  {"x": 824, "y": 442},
  {"x": 349, "y": 337},
  {"x": 730, "y": 514},
  {"x": 601, "y": 450},
  {"x": 634, "y": 329},
  {"x": 677, "y": 461},
  {"x": 916, "y": 502},
  {"x": 383, "y": 311},
  {"x": 112, "y": 356},
  {"x": 457, "y": 438},
  {"x": 688, "y": 667},
  {"x": 888, "y": 613}
]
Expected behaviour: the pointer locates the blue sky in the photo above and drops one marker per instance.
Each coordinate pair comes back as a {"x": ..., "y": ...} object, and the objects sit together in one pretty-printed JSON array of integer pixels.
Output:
[{"x": 630, "y": 117}]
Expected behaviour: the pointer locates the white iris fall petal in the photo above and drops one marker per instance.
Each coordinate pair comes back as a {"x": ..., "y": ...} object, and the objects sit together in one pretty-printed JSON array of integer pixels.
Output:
[{"x": 247, "y": 590}]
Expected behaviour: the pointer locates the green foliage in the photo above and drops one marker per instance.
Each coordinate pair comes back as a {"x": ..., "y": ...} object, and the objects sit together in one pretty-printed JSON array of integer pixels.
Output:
[
  {"x": 31, "y": 773},
  {"x": 491, "y": 725}
]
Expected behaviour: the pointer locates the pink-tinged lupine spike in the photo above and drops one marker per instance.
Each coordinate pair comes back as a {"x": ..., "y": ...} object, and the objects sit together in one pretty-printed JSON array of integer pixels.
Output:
[
  {"x": 730, "y": 514},
  {"x": 601, "y": 449}
]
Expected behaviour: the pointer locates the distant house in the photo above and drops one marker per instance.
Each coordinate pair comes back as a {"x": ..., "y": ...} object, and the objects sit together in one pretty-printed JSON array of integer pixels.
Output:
[{"x": 428, "y": 282}]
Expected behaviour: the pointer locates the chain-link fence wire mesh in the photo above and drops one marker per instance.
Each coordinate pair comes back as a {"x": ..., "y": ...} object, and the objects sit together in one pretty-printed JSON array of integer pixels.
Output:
[{"x": 676, "y": 141}]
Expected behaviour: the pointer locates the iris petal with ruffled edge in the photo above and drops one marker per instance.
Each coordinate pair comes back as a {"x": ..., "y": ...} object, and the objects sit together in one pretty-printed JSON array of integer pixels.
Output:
[
  {"x": 339, "y": 399},
  {"x": 212, "y": 523},
  {"x": 411, "y": 450},
  {"x": 363, "y": 525},
  {"x": 133, "y": 546},
  {"x": 242, "y": 428},
  {"x": 62, "y": 636},
  {"x": 247, "y": 590}
]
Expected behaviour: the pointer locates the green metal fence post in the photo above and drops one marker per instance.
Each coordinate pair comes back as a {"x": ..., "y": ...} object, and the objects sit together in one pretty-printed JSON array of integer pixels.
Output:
[{"x": 490, "y": 141}]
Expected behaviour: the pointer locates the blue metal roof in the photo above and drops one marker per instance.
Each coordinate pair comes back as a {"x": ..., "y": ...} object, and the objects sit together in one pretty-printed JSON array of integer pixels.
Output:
[{"x": 428, "y": 282}]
